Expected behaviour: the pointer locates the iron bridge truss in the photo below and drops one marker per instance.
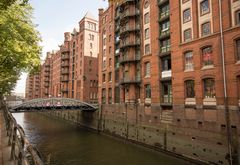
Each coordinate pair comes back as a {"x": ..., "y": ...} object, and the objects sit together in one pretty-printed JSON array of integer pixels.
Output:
[{"x": 54, "y": 104}]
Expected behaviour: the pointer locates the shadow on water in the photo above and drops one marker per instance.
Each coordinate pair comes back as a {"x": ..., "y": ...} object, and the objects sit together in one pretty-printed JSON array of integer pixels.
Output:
[{"x": 69, "y": 145}]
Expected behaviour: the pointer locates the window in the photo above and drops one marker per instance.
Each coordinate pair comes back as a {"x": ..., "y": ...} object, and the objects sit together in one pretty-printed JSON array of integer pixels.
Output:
[
  {"x": 186, "y": 15},
  {"x": 146, "y": 18},
  {"x": 104, "y": 41},
  {"x": 104, "y": 64},
  {"x": 166, "y": 64},
  {"x": 209, "y": 88},
  {"x": 110, "y": 62},
  {"x": 104, "y": 77},
  {"x": 103, "y": 96},
  {"x": 110, "y": 50},
  {"x": 165, "y": 45},
  {"x": 187, "y": 35},
  {"x": 238, "y": 49},
  {"x": 204, "y": 7},
  {"x": 188, "y": 61},
  {"x": 206, "y": 29},
  {"x": 207, "y": 56},
  {"x": 90, "y": 53},
  {"x": 189, "y": 85},
  {"x": 147, "y": 69},
  {"x": 146, "y": 4},
  {"x": 90, "y": 62},
  {"x": 164, "y": 11},
  {"x": 109, "y": 38},
  {"x": 147, "y": 49},
  {"x": 110, "y": 76},
  {"x": 237, "y": 17},
  {"x": 110, "y": 95},
  {"x": 90, "y": 45},
  {"x": 165, "y": 27},
  {"x": 146, "y": 33},
  {"x": 147, "y": 91}
]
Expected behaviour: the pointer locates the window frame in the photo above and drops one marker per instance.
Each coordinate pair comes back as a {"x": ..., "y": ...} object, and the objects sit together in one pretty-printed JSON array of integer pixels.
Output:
[
  {"x": 185, "y": 61},
  {"x": 147, "y": 69},
  {"x": 237, "y": 41},
  {"x": 193, "y": 95},
  {"x": 213, "y": 92},
  {"x": 190, "y": 17},
  {"x": 147, "y": 91},
  {"x": 206, "y": 12},
  {"x": 202, "y": 56},
  {"x": 202, "y": 30},
  {"x": 146, "y": 18},
  {"x": 184, "y": 37},
  {"x": 237, "y": 17}
]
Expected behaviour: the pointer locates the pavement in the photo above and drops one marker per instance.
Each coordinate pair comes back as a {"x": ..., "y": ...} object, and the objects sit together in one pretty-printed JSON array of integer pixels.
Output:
[{"x": 5, "y": 150}]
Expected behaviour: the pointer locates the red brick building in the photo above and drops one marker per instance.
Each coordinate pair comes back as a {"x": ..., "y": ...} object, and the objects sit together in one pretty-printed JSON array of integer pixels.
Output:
[
  {"x": 72, "y": 71},
  {"x": 32, "y": 86}
]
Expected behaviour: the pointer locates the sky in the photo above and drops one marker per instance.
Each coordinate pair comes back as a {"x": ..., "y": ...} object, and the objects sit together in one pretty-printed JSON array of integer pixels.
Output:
[{"x": 53, "y": 18}]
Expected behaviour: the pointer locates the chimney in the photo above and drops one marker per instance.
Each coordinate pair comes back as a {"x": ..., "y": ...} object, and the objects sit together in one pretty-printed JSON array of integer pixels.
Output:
[{"x": 67, "y": 36}]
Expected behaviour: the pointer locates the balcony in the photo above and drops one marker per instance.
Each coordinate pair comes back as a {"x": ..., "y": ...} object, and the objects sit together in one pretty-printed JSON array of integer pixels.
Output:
[
  {"x": 167, "y": 74},
  {"x": 162, "y": 2},
  {"x": 167, "y": 100},
  {"x": 129, "y": 13},
  {"x": 130, "y": 58},
  {"x": 47, "y": 69},
  {"x": 64, "y": 64},
  {"x": 65, "y": 57},
  {"x": 64, "y": 79},
  {"x": 64, "y": 71},
  {"x": 127, "y": 29},
  {"x": 165, "y": 50},
  {"x": 125, "y": 2},
  {"x": 164, "y": 15},
  {"x": 117, "y": 28},
  {"x": 126, "y": 44},
  {"x": 164, "y": 34},
  {"x": 133, "y": 80},
  {"x": 46, "y": 79}
]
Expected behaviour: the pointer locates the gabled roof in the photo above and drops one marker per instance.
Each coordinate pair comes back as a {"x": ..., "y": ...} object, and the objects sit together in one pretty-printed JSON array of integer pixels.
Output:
[{"x": 89, "y": 15}]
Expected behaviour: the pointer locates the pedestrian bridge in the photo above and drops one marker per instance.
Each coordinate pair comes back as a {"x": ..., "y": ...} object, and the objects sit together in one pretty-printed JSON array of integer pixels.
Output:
[{"x": 43, "y": 104}]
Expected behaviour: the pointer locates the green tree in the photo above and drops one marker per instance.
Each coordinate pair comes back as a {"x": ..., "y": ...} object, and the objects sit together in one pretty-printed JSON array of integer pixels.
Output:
[{"x": 19, "y": 42}]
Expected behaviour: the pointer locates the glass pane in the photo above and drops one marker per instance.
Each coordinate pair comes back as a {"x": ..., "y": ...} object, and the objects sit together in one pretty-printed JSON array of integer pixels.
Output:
[{"x": 209, "y": 88}]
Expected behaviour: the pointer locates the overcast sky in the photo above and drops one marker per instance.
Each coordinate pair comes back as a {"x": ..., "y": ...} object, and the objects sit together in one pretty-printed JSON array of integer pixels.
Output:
[{"x": 53, "y": 18}]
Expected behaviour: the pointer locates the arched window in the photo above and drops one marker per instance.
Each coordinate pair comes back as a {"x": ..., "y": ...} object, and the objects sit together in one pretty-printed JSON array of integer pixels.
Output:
[
  {"x": 207, "y": 56},
  {"x": 188, "y": 60},
  {"x": 189, "y": 89},
  {"x": 209, "y": 88}
]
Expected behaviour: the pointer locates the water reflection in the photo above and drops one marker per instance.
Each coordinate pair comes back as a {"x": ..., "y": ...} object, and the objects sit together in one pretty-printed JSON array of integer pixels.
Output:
[{"x": 69, "y": 145}]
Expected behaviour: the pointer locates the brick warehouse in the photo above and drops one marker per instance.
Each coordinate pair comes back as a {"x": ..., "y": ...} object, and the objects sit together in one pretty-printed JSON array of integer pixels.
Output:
[
  {"x": 71, "y": 71},
  {"x": 161, "y": 76},
  {"x": 168, "y": 64}
]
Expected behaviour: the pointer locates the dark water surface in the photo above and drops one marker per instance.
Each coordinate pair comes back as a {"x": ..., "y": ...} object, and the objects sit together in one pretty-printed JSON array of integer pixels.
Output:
[{"x": 69, "y": 145}]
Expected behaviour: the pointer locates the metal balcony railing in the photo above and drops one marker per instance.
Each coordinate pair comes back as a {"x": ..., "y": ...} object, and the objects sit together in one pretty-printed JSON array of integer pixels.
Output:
[
  {"x": 65, "y": 57},
  {"x": 163, "y": 15},
  {"x": 65, "y": 71},
  {"x": 129, "y": 43},
  {"x": 128, "y": 28},
  {"x": 165, "y": 49},
  {"x": 130, "y": 58},
  {"x": 129, "y": 13},
  {"x": 129, "y": 80}
]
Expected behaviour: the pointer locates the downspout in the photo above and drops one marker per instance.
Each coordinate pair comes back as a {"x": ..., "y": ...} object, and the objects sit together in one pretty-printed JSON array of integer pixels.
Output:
[{"x": 227, "y": 117}]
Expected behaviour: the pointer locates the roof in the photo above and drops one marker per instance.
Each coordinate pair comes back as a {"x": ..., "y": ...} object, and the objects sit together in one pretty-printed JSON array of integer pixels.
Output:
[{"x": 89, "y": 15}]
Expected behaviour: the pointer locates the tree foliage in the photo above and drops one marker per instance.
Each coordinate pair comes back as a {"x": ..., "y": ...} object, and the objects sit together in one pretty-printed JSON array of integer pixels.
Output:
[{"x": 19, "y": 42}]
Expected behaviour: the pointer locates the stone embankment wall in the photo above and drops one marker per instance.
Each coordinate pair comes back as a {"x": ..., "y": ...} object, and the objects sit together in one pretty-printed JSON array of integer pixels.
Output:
[{"x": 157, "y": 130}]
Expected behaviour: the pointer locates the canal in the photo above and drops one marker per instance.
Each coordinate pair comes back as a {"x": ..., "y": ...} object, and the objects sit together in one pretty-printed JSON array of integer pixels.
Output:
[{"x": 69, "y": 145}]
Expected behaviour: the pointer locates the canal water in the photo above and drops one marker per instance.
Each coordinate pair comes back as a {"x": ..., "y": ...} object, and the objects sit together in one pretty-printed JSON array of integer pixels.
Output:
[{"x": 69, "y": 145}]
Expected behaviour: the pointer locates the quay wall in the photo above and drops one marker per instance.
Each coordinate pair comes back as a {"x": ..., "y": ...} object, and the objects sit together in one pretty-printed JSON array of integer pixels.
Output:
[{"x": 204, "y": 141}]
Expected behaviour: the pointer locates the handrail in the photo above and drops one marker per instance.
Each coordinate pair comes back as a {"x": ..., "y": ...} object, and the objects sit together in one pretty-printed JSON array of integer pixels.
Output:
[{"x": 21, "y": 149}]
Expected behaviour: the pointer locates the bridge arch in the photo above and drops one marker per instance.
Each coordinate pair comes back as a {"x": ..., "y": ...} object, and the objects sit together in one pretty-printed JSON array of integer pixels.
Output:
[{"x": 54, "y": 103}]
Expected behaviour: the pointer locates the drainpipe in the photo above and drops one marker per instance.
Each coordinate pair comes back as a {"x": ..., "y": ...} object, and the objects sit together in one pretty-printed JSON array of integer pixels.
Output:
[{"x": 227, "y": 116}]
